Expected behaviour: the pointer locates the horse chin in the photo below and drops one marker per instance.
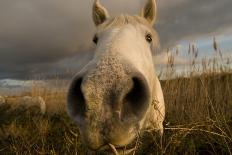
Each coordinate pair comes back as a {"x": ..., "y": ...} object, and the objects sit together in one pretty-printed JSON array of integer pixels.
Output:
[
  {"x": 113, "y": 144},
  {"x": 115, "y": 149},
  {"x": 110, "y": 149}
]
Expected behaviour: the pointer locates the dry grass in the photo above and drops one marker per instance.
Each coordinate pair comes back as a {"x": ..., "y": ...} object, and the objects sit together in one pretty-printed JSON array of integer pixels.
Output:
[{"x": 198, "y": 116}]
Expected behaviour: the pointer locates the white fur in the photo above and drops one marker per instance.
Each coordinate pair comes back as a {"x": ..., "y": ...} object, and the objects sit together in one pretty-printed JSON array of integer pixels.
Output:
[{"x": 129, "y": 43}]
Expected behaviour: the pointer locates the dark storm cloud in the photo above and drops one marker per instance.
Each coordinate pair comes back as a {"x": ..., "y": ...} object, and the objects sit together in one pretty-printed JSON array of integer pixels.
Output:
[
  {"x": 193, "y": 18},
  {"x": 41, "y": 37}
]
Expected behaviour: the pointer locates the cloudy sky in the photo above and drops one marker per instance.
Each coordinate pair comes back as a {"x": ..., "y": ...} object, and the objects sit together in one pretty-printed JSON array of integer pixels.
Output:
[{"x": 45, "y": 37}]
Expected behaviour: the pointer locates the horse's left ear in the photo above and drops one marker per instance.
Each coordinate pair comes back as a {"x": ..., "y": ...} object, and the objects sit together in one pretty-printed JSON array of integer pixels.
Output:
[
  {"x": 100, "y": 14},
  {"x": 149, "y": 11}
]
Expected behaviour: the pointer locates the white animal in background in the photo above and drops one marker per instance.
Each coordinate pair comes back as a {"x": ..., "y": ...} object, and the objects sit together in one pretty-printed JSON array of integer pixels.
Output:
[
  {"x": 28, "y": 101},
  {"x": 2, "y": 100}
]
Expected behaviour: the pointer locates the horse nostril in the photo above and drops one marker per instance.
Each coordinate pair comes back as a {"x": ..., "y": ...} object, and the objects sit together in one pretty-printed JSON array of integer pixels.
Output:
[
  {"x": 137, "y": 99},
  {"x": 76, "y": 100}
]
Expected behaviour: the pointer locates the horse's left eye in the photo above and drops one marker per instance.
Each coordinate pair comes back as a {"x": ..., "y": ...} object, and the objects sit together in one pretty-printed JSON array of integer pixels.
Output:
[
  {"x": 149, "y": 38},
  {"x": 95, "y": 39}
]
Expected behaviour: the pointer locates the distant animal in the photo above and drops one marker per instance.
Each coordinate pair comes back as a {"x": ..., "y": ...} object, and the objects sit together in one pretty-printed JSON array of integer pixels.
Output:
[
  {"x": 117, "y": 95},
  {"x": 2, "y": 100},
  {"x": 28, "y": 101}
]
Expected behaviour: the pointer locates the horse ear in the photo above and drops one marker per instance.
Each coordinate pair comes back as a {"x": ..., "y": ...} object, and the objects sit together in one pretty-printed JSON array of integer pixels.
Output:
[
  {"x": 99, "y": 13},
  {"x": 149, "y": 11}
]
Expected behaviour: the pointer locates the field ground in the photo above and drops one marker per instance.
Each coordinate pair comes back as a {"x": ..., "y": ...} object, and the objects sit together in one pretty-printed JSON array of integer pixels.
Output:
[{"x": 198, "y": 121}]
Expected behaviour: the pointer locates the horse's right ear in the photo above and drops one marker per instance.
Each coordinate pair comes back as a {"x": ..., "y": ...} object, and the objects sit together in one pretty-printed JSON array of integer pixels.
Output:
[{"x": 100, "y": 14}]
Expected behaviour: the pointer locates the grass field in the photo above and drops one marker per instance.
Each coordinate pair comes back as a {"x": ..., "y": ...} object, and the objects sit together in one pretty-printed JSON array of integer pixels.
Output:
[{"x": 198, "y": 120}]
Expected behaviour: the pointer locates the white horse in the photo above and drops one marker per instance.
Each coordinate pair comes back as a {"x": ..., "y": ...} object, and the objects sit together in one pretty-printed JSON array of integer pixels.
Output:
[
  {"x": 2, "y": 100},
  {"x": 28, "y": 101},
  {"x": 117, "y": 94}
]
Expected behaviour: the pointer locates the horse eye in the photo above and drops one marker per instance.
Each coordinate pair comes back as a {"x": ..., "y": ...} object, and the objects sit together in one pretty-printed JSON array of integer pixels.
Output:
[
  {"x": 95, "y": 39},
  {"x": 149, "y": 38}
]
